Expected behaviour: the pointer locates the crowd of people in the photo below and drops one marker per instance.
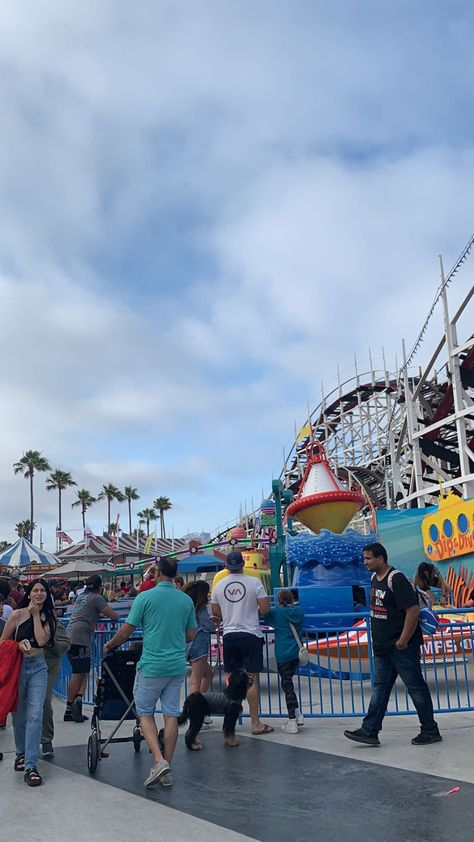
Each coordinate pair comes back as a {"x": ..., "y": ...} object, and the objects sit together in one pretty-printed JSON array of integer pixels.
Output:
[{"x": 176, "y": 621}]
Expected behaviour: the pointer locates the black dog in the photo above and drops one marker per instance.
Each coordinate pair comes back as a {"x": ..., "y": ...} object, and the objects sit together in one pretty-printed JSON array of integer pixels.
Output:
[{"x": 229, "y": 702}]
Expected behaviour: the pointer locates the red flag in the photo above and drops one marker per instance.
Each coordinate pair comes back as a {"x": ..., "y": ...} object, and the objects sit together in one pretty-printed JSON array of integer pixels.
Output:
[{"x": 64, "y": 536}]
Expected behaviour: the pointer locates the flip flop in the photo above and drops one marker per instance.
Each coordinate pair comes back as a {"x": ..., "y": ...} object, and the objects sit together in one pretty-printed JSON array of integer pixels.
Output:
[{"x": 267, "y": 729}]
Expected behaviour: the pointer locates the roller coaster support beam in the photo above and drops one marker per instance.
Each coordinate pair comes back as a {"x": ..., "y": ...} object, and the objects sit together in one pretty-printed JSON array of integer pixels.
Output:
[{"x": 454, "y": 366}]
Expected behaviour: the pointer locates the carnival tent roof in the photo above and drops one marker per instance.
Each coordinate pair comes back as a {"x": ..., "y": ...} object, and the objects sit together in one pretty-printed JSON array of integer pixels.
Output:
[
  {"x": 103, "y": 547},
  {"x": 22, "y": 553},
  {"x": 78, "y": 568}
]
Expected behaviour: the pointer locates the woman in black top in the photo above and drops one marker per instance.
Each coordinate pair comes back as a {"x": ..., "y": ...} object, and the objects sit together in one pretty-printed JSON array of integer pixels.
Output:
[
  {"x": 33, "y": 625},
  {"x": 427, "y": 576}
]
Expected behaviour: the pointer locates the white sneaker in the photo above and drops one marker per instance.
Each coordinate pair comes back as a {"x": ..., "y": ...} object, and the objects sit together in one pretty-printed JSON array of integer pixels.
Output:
[
  {"x": 299, "y": 720},
  {"x": 156, "y": 772},
  {"x": 290, "y": 727},
  {"x": 208, "y": 720}
]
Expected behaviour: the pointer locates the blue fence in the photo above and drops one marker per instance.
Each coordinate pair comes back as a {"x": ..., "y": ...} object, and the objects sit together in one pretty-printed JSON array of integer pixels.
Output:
[{"x": 338, "y": 679}]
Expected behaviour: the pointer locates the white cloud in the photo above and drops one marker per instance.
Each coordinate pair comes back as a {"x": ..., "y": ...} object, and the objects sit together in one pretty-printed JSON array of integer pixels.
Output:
[{"x": 203, "y": 211}]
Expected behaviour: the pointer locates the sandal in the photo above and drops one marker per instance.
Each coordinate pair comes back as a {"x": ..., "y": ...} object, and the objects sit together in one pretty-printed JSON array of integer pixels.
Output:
[
  {"x": 19, "y": 764},
  {"x": 267, "y": 729},
  {"x": 33, "y": 778}
]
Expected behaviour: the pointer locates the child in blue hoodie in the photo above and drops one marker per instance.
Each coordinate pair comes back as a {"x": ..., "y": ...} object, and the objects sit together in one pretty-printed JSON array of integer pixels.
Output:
[{"x": 286, "y": 653}]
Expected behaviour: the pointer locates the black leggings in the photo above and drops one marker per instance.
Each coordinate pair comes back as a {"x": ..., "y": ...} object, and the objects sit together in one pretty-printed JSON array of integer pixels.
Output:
[{"x": 286, "y": 672}]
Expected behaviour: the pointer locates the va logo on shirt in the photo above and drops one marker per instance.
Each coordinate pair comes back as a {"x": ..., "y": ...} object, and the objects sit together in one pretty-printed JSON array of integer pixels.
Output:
[{"x": 235, "y": 592}]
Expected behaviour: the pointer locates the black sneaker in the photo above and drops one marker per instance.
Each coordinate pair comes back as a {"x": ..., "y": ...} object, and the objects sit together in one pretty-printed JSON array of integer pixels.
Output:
[
  {"x": 68, "y": 717},
  {"x": 425, "y": 739},
  {"x": 76, "y": 710},
  {"x": 360, "y": 736},
  {"x": 47, "y": 750}
]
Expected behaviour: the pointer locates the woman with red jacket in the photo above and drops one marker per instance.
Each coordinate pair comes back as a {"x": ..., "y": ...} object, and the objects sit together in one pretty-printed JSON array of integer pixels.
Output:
[{"x": 32, "y": 626}]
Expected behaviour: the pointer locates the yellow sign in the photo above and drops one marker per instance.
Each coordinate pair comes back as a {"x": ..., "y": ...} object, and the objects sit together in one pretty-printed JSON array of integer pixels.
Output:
[
  {"x": 255, "y": 565},
  {"x": 148, "y": 544},
  {"x": 449, "y": 532}
]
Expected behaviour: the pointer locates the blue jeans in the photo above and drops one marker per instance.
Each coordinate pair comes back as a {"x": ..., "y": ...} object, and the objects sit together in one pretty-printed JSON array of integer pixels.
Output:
[
  {"x": 406, "y": 664},
  {"x": 28, "y": 719}
]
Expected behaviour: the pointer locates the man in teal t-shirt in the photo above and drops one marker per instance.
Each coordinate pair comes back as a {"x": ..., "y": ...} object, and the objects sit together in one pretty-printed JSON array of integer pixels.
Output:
[{"x": 167, "y": 618}]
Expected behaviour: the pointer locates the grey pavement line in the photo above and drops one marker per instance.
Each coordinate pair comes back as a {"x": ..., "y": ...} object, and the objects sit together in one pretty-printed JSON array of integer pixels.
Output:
[
  {"x": 64, "y": 782},
  {"x": 451, "y": 756},
  {"x": 440, "y": 760}
]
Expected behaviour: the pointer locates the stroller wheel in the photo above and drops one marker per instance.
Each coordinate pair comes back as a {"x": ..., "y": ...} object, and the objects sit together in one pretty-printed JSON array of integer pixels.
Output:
[
  {"x": 137, "y": 738},
  {"x": 93, "y": 752}
]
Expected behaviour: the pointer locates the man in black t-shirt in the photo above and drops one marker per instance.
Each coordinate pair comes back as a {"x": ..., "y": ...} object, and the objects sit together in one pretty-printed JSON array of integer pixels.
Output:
[{"x": 396, "y": 640}]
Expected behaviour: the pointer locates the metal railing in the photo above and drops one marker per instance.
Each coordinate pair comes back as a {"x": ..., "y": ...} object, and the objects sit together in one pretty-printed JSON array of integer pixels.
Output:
[{"x": 338, "y": 679}]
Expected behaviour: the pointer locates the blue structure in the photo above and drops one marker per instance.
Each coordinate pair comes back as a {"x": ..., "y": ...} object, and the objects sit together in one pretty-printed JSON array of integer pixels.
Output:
[
  {"x": 327, "y": 559},
  {"x": 329, "y": 573}
]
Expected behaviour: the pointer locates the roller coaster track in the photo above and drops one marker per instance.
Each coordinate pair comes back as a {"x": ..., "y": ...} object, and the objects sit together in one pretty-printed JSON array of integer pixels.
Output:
[{"x": 394, "y": 434}]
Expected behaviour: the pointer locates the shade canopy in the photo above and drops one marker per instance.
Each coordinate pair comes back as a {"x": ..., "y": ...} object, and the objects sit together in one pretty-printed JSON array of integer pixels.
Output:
[
  {"x": 200, "y": 563},
  {"x": 79, "y": 567},
  {"x": 23, "y": 554}
]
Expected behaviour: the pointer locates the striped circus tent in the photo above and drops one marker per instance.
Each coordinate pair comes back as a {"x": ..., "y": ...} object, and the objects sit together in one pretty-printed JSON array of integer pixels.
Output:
[
  {"x": 22, "y": 554},
  {"x": 104, "y": 548}
]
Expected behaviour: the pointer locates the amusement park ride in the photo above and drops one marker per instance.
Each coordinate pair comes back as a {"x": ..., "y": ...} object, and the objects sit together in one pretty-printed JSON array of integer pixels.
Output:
[{"x": 391, "y": 454}]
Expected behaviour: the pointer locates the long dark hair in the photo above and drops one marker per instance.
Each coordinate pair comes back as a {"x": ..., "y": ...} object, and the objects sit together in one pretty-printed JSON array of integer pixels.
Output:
[
  {"x": 426, "y": 575},
  {"x": 199, "y": 593},
  {"x": 48, "y": 605}
]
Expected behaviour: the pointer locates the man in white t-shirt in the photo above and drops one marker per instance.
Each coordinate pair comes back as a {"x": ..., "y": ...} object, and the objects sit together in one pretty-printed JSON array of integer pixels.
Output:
[{"x": 237, "y": 600}]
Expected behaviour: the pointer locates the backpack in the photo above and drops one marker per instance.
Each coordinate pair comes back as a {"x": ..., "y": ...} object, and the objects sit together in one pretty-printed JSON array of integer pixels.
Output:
[{"x": 428, "y": 621}]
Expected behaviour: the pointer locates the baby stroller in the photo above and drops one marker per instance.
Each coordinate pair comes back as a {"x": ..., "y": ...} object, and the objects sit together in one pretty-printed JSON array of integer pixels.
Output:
[{"x": 114, "y": 700}]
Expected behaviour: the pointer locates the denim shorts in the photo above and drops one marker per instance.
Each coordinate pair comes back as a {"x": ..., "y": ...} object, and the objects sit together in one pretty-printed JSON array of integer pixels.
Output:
[
  {"x": 199, "y": 647},
  {"x": 147, "y": 691}
]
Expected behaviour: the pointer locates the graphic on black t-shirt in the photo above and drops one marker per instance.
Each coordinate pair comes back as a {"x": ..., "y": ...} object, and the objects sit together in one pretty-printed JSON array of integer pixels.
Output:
[
  {"x": 235, "y": 592},
  {"x": 388, "y": 604}
]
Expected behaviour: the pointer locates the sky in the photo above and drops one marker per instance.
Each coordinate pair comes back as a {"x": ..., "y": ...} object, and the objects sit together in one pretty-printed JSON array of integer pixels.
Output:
[{"x": 205, "y": 209}]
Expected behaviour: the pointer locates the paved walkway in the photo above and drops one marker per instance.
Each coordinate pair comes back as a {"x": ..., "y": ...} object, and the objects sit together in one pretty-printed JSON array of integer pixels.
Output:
[{"x": 313, "y": 785}]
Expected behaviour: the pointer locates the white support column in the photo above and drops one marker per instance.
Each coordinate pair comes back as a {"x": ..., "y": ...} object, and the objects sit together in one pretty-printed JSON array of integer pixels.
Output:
[
  {"x": 454, "y": 366},
  {"x": 412, "y": 427}
]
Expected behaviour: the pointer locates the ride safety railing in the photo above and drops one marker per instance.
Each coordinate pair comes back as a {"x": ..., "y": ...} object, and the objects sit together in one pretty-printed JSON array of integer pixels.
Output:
[{"x": 338, "y": 679}]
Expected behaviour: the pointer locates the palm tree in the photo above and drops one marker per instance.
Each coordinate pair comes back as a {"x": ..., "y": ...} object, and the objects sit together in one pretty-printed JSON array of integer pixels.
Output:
[
  {"x": 4, "y": 545},
  {"x": 85, "y": 500},
  {"x": 30, "y": 462},
  {"x": 147, "y": 515},
  {"x": 110, "y": 492},
  {"x": 130, "y": 494},
  {"x": 163, "y": 504},
  {"x": 59, "y": 481},
  {"x": 23, "y": 529},
  {"x": 138, "y": 533}
]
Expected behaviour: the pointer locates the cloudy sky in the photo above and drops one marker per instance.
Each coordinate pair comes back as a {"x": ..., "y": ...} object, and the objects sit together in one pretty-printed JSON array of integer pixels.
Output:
[{"x": 204, "y": 208}]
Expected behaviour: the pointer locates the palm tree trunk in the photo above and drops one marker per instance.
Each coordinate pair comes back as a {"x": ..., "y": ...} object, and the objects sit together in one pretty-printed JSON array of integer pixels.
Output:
[
  {"x": 84, "y": 520},
  {"x": 59, "y": 540},
  {"x": 108, "y": 515},
  {"x": 129, "y": 516},
  {"x": 147, "y": 527},
  {"x": 31, "y": 506},
  {"x": 163, "y": 532}
]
